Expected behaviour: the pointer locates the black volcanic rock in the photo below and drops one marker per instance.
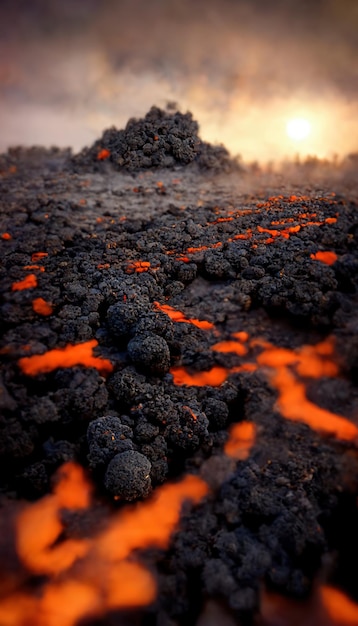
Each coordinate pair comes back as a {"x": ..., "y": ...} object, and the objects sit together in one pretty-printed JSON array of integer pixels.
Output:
[
  {"x": 128, "y": 476},
  {"x": 160, "y": 139},
  {"x": 165, "y": 288}
]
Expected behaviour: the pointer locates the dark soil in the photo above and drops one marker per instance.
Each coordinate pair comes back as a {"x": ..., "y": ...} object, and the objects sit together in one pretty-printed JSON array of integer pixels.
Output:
[{"x": 210, "y": 240}]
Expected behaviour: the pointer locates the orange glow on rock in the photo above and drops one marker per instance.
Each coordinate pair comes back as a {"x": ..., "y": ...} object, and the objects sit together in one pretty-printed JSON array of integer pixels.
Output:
[
  {"x": 326, "y": 607},
  {"x": 40, "y": 268},
  {"x": 129, "y": 584},
  {"x": 325, "y": 257},
  {"x": 5, "y": 236},
  {"x": 69, "y": 356},
  {"x": 339, "y": 607},
  {"x": 27, "y": 283},
  {"x": 42, "y": 307},
  {"x": 103, "y": 154},
  {"x": 138, "y": 267},
  {"x": 242, "y": 437},
  {"x": 242, "y": 335},
  {"x": 245, "y": 367},
  {"x": 230, "y": 346},
  {"x": 178, "y": 316},
  {"x": 36, "y": 256},
  {"x": 213, "y": 377}
]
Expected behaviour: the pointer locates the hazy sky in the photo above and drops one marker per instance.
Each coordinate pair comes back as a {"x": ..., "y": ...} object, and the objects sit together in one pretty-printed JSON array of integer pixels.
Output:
[{"x": 70, "y": 68}]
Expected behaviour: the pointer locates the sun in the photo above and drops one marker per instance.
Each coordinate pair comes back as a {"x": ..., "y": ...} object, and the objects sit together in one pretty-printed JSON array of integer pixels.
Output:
[{"x": 298, "y": 128}]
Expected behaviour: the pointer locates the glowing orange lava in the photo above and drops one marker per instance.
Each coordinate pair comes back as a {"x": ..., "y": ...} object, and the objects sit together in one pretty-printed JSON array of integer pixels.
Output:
[
  {"x": 213, "y": 377},
  {"x": 138, "y": 267},
  {"x": 36, "y": 256},
  {"x": 325, "y": 257},
  {"x": 89, "y": 577},
  {"x": 42, "y": 307},
  {"x": 242, "y": 437},
  {"x": 341, "y": 610},
  {"x": 69, "y": 356},
  {"x": 178, "y": 316},
  {"x": 230, "y": 346},
  {"x": 27, "y": 283},
  {"x": 287, "y": 368},
  {"x": 6, "y": 236}
]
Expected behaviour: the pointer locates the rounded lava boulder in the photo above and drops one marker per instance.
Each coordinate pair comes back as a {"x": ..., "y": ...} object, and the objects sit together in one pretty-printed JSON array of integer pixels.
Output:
[{"x": 128, "y": 476}]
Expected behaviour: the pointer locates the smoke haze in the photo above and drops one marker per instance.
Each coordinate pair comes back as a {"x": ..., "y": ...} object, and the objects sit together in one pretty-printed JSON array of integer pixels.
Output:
[{"x": 69, "y": 69}]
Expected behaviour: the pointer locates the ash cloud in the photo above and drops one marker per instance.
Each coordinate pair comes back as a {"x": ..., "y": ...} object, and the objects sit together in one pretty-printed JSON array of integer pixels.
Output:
[{"x": 71, "y": 68}]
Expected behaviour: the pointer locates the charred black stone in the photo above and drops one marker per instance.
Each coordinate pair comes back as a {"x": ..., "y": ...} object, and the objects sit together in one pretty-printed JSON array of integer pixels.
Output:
[
  {"x": 188, "y": 431},
  {"x": 106, "y": 437},
  {"x": 217, "y": 413},
  {"x": 122, "y": 318},
  {"x": 41, "y": 410},
  {"x": 186, "y": 272},
  {"x": 129, "y": 386},
  {"x": 145, "y": 432},
  {"x": 128, "y": 476},
  {"x": 150, "y": 352},
  {"x": 81, "y": 393},
  {"x": 216, "y": 266},
  {"x": 157, "y": 323}
]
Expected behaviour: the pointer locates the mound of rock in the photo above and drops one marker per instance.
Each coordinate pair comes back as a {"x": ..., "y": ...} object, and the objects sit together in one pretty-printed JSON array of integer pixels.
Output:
[{"x": 161, "y": 139}]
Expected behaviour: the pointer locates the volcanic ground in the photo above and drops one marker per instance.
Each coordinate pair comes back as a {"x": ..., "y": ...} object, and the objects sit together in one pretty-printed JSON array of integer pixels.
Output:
[{"x": 173, "y": 321}]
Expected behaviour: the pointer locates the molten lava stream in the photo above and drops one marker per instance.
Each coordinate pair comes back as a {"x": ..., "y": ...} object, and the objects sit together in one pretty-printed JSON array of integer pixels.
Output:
[
  {"x": 87, "y": 577},
  {"x": 69, "y": 356}
]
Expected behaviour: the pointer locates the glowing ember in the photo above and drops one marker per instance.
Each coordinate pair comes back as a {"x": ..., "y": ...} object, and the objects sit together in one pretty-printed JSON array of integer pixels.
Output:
[
  {"x": 42, "y": 307},
  {"x": 241, "y": 439},
  {"x": 298, "y": 128},
  {"x": 325, "y": 257},
  {"x": 27, "y": 283},
  {"x": 71, "y": 355},
  {"x": 5, "y": 236},
  {"x": 178, "y": 316},
  {"x": 103, "y": 154}
]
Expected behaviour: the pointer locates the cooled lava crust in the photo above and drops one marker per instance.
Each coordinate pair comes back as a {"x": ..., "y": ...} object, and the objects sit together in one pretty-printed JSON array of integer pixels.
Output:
[{"x": 126, "y": 270}]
